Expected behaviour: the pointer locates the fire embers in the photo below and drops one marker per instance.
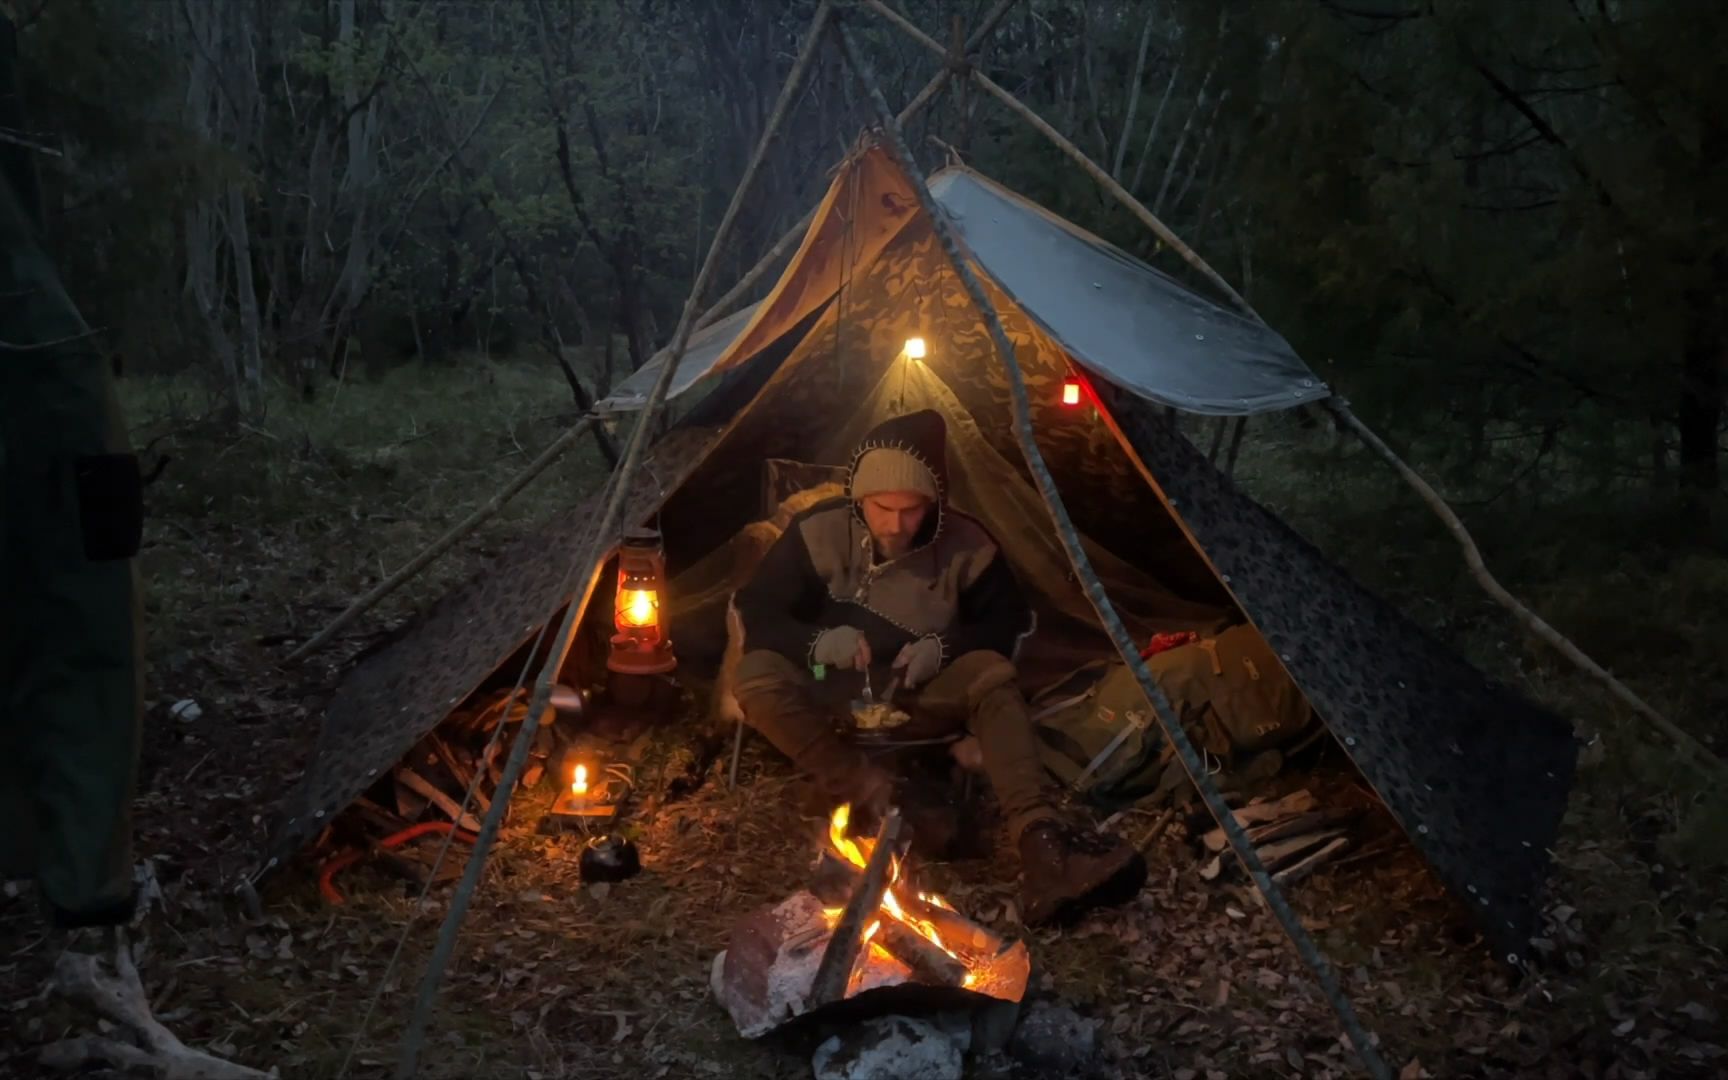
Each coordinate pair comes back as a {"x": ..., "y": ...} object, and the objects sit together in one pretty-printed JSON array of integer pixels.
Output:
[{"x": 862, "y": 942}]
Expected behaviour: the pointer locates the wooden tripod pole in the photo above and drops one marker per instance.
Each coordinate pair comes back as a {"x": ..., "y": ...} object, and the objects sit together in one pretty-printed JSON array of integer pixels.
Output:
[
  {"x": 609, "y": 526},
  {"x": 1082, "y": 563},
  {"x": 924, "y": 97},
  {"x": 1689, "y": 747}
]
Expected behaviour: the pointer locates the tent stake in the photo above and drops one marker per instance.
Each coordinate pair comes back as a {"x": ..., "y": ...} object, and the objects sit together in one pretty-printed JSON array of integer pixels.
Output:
[
  {"x": 610, "y": 524},
  {"x": 986, "y": 27},
  {"x": 443, "y": 543},
  {"x": 1689, "y": 746},
  {"x": 1125, "y": 645}
]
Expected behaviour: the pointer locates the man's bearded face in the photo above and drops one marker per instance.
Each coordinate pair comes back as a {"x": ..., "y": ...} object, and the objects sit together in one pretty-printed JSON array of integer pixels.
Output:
[{"x": 894, "y": 519}]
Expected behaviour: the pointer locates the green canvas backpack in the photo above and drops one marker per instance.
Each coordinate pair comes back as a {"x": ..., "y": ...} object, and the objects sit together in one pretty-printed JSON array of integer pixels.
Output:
[{"x": 1230, "y": 692}]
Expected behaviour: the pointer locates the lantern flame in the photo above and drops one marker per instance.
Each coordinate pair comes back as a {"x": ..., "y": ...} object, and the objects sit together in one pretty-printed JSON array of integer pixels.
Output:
[
  {"x": 639, "y": 607},
  {"x": 858, "y": 854},
  {"x": 579, "y": 783}
]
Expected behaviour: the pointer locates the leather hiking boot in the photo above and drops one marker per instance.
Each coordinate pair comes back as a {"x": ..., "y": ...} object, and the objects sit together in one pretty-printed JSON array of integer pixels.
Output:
[{"x": 1067, "y": 870}]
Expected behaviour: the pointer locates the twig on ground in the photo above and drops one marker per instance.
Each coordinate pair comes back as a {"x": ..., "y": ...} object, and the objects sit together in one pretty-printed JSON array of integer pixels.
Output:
[{"x": 120, "y": 999}]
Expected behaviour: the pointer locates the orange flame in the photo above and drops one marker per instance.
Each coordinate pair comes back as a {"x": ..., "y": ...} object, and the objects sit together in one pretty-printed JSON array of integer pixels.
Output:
[
  {"x": 638, "y": 607},
  {"x": 858, "y": 854},
  {"x": 579, "y": 783}
]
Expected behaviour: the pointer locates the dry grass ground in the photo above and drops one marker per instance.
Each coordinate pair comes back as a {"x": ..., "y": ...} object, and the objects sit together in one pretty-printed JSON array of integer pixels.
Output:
[{"x": 270, "y": 531}]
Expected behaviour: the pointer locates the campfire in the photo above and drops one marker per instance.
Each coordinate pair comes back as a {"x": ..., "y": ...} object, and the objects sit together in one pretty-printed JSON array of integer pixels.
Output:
[
  {"x": 862, "y": 937},
  {"x": 895, "y": 928}
]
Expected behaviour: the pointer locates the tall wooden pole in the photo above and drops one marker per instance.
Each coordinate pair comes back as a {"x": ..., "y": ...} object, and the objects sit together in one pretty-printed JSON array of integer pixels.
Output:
[{"x": 924, "y": 97}]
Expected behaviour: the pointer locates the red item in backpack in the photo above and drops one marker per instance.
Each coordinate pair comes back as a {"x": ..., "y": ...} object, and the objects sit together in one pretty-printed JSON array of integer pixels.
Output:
[{"x": 1168, "y": 640}]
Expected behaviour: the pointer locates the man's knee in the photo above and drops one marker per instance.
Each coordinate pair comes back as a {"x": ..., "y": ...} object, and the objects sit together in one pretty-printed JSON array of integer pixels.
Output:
[
  {"x": 765, "y": 670},
  {"x": 981, "y": 673}
]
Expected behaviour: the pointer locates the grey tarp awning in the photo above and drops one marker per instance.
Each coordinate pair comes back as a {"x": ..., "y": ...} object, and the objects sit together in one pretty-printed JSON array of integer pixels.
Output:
[
  {"x": 706, "y": 347},
  {"x": 1118, "y": 317},
  {"x": 1121, "y": 319}
]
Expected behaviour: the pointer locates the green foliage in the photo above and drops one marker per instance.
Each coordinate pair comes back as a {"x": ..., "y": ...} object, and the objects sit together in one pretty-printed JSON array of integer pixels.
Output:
[{"x": 1495, "y": 200}]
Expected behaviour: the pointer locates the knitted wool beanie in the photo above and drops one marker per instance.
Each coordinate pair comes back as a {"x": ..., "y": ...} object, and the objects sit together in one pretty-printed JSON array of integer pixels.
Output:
[{"x": 886, "y": 470}]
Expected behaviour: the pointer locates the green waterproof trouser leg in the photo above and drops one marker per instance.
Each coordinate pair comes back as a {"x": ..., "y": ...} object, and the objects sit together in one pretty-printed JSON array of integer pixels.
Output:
[{"x": 70, "y": 679}]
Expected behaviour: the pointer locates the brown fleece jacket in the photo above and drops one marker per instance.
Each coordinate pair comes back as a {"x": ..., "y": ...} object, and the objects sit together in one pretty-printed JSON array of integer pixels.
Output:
[{"x": 953, "y": 585}]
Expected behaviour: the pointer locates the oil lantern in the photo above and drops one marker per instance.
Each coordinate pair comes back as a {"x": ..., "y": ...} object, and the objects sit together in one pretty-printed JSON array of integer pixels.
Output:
[{"x": 640, "y": 646}]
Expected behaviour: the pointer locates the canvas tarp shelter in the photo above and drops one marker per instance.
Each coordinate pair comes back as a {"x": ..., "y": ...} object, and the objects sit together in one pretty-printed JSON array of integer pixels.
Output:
[
  {"x": 1115, "y": 316},
  {"x": 1476, "y": 775}
]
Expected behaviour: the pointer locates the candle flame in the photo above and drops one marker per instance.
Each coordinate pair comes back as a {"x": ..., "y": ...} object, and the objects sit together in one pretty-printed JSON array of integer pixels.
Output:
[{"x": 579, "y": 783}]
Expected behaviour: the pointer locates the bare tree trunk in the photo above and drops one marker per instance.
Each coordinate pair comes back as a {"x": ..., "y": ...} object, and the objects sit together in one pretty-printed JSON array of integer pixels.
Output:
[
  {"x": 1134, "y": 98},
  {"x": 354, "y": 197},
  {"x": 251, "y": 351},
  {"x": 1152, "y": 129},
  {"x": 1181, "y": 140},
  {"x": 203, "y": 282},
  {"x": 214, "y": 103},
  {"x": 1200, "y": 149}
]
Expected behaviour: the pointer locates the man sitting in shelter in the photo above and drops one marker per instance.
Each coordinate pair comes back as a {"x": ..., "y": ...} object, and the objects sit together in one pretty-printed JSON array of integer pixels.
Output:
[{"x": 891, "y": 580}]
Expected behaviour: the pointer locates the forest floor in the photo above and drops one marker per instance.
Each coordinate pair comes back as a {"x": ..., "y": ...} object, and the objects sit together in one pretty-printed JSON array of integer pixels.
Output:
[{"x": 258, "y": 537}]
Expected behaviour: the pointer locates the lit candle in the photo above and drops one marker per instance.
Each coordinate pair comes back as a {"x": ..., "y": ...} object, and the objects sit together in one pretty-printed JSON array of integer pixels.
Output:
[{"x": 579, "y": 784}]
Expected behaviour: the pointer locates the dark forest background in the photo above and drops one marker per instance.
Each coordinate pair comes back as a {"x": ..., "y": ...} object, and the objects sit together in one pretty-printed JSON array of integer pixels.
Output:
[{"x": 1516, "y": 207}]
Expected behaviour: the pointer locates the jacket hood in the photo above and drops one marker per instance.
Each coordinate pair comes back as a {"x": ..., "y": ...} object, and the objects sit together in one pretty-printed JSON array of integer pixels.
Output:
[{"x": 924, "y": 436}]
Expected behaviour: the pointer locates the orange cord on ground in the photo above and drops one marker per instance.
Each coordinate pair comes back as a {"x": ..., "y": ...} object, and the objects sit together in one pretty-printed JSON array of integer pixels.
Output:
[{"x": 342, "y": 861}]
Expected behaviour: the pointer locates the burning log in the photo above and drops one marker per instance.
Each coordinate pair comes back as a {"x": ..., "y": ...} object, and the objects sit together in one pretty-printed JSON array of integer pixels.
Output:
[
  {"x": 835, "y": 971},
  {"x": 878, "y": 945},
  {"x": 835, "y": 879},
  {"x": 925, "y": 958}
]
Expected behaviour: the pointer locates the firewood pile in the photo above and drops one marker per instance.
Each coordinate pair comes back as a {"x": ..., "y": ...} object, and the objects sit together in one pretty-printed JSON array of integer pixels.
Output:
[
  {"x": 423, "y": 795},
  {"x": 1294, "y": 836}
]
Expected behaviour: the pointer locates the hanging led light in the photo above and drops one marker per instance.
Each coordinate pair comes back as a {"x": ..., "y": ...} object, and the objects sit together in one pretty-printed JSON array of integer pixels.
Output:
[
  {"x": 641, "y": 645},
  {"x": 1071, "y": 395},
  {"x": 915, "y": 348}
]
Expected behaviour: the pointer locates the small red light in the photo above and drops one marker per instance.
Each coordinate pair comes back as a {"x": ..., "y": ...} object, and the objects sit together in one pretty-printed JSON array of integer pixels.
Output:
[{"x": 1071, "y": 391}]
